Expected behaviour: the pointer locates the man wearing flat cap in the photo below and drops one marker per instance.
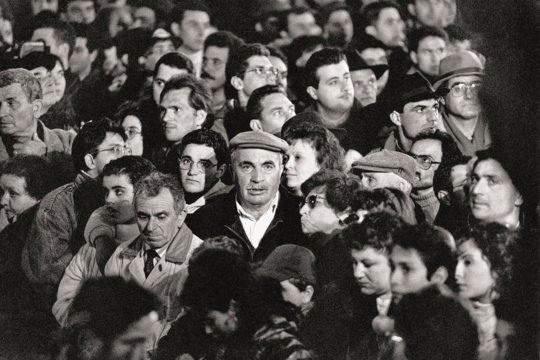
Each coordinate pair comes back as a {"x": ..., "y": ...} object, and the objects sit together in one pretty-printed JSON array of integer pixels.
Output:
[
  {"x": 386, "y": 168},
  {"x": 415, "y": 109},
  {"x": 462, "y": 75},
  {"x": 256, "y": 212}
]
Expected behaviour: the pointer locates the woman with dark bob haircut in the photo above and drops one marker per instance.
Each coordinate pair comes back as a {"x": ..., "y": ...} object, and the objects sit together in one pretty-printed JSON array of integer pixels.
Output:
[
  {"x": 311, "y": 148},
  {"x": 326, "y": 205},
  {"x": 483, "y": 273}
]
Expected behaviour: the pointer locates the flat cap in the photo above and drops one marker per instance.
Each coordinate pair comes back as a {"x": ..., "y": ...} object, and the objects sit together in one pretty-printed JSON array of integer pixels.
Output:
[
  {"x": 289, "y": 262},
  {"x": 258, "y": 140},
  {"x": 388, "y": 161}
]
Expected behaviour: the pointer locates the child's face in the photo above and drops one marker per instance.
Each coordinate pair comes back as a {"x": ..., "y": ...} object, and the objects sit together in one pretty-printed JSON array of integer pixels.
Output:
[
  {"x": 371, "y": 270},
  {"x": 119, "y": 197},
  {"x": 409, "y": 274},
  {"x": 292, "y": 294}
]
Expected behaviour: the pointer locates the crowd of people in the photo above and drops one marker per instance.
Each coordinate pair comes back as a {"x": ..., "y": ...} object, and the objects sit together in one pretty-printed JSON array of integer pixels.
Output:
[{"x": 319, "y": 185}]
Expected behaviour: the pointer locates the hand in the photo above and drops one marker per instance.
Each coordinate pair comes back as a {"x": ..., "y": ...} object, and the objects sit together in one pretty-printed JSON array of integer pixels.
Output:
[{"x": 33, "y": 146}]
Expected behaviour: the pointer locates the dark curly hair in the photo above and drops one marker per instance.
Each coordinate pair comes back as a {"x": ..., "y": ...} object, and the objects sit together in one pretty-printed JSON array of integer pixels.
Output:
[
  {"x": 376, "y": 231},
  {"x": 339, "y": 187},
  {"x": 330, "y": 154},
  {"x": 389, "y": 200},
  {"x": 498, "y": 245}
]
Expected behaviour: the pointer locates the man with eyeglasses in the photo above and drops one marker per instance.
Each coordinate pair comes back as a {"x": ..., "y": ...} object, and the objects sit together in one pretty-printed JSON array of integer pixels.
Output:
[
  {"x": 56, "y": 233},
  {"x": 256, "y": 213},
  {"x": 416, "y": 109},
  {"x": 462, "y": 74},
  {"x": 247, "y": 69},
  {"x": 203, "y": 160},
  {"x": 430, "y": 150}
]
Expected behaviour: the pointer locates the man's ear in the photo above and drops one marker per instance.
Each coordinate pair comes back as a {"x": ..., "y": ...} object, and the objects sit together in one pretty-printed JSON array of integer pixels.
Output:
[
  {"x": 93, "y": 56},
  {"x": 220, "y": 170},
  {"x": 237, "y": 83},
  {"x": 63, "y": 50},
  {"x": 412, "y": 9},
  {"x": 255, "y": 125},
  {"x": 395, "y": 118},
  {"x": 439, "y": 276},
  {"x": 414, "y": 57},
  {"x": 89, "y": 161},
  {"x": 444, "y": 197},
  {"x": 307, "y": 294},
  {"x": 312, "y": 92},
  {"x": 519, "y": 200},
  {"x": 181, "y": 217},
  {"x": 201, "y": 117},
  {"x": 125, "y": 59},
  {"x": 370, "y": 30},
  {"x": 141, "y": 60},
  {"x": 175, "y": 29},
  {"x": 37, "y": 105}
]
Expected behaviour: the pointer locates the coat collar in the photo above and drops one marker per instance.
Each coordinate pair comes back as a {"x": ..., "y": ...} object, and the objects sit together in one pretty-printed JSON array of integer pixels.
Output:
[{"x": 177, "y": 250}]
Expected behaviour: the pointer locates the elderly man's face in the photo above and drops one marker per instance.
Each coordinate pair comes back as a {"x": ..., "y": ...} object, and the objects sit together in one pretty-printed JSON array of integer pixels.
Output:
[
  {"x": 16, "y": 112},
  {"x": 431, "y": 148},
  {"x": 257, "y": 174},
  {"x": 157, "y": 218},
  {"x": 373, "y": 180},
  {"x": 493, "y": 196}
]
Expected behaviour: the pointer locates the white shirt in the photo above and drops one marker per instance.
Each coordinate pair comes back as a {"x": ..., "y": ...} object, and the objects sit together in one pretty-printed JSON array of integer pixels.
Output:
[
  {"x": 196, "y": 59},
  {"x": 383, "y": 304},
  {"x": 255, "y": 229}
]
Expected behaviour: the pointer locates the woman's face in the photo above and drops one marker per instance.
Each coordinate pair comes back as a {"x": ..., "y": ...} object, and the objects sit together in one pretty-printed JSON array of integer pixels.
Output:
[
  {"x": 133, "y": 128},
  {"x": 317, "y": 216},
  {"x": 15, "y": 198},
  {"x": 301, "y": 164},
  {"x": 473, "y": 273}
]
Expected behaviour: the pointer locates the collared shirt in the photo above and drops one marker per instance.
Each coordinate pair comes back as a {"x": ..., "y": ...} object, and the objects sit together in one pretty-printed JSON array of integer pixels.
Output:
[
  {"x": 255, "y": 229},
  {"x": 383, "y": 304}
]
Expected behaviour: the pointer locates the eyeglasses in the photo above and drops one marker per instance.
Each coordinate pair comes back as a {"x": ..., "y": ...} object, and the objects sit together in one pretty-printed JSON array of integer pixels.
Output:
[
  {"x": 264, "y": 73},
  {"x": 311, "y": 201},
  {"x": 202, "y": 166},
  {"x": 460, "y": 89},
  {"x": 131, "y": 132},
  {"x": 424, "y": 161},
  {"x": 119, "y": 150}
]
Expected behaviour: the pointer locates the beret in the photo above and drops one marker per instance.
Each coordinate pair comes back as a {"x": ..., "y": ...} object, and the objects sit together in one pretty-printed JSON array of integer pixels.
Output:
[
  {"x": 289, "y": 261},
  {"x": 258, "y": 140}
]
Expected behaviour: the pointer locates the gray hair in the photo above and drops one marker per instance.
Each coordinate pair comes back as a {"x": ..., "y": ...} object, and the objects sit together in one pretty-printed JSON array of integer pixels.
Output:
[
  {"x": 29, "y": 83},
  {"x": 152, "y": 185}
]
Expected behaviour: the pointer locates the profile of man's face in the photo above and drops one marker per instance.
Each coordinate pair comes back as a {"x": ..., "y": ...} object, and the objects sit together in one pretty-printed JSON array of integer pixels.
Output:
[
  {"x": 214, "y": 63},
  {"x": 389, "y": 28},
  {"x": 302, "y": 25},
  {"x": 409, "y": 273},
  {"x": 276, "y": 110},
  {"x": 431, "y": 148},
  {"x": 257, "y": 175},
  {"x": 419, "y": 116}
]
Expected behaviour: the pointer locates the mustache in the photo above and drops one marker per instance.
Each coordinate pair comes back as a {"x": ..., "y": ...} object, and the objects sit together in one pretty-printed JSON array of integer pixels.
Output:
[{"x": 205, "y": 75}]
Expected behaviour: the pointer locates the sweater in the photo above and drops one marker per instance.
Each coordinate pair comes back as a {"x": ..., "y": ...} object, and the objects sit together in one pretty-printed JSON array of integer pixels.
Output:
[{"x": 429, "y": 204}]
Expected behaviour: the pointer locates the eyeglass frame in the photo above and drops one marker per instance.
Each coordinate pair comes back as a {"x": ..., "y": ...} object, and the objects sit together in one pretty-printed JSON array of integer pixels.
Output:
[
  {"x": 431, "y": 161},
  {"x": 309, "y": 203},
  {"x": 260, "y": 70},
  {"x": 198, "y": 163},
  {"x": 125, "y": 150},
  {"x": 135, "y": 133},
  {"x": 468, "y": 87}
]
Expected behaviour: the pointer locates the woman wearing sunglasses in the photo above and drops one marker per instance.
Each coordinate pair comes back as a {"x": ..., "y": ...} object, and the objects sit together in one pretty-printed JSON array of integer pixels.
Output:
[
  {"x": 324, "y": 211},
  {"x": 311, "y": 148}
]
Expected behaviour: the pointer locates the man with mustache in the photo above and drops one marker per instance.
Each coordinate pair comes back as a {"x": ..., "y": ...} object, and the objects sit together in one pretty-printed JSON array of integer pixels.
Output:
[
  {"x": 462, "y": 73},
  {"x": 256, "y": 213}
]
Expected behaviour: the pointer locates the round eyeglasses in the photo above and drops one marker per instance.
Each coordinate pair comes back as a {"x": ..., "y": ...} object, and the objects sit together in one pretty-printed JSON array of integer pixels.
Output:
[
  {"x": 202, "y": 166},
  {"x": 460, "y": 89},
  {"x": 424, "y": 161},
  {"x": 119, "y": 150}
]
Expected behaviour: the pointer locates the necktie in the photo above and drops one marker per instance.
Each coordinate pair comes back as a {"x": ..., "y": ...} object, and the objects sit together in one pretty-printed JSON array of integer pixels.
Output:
[{"x": 149, "y": 263}]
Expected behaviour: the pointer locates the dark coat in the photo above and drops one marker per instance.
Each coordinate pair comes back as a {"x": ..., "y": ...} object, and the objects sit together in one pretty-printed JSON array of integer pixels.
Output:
[{"x": 221, "y": 218}]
